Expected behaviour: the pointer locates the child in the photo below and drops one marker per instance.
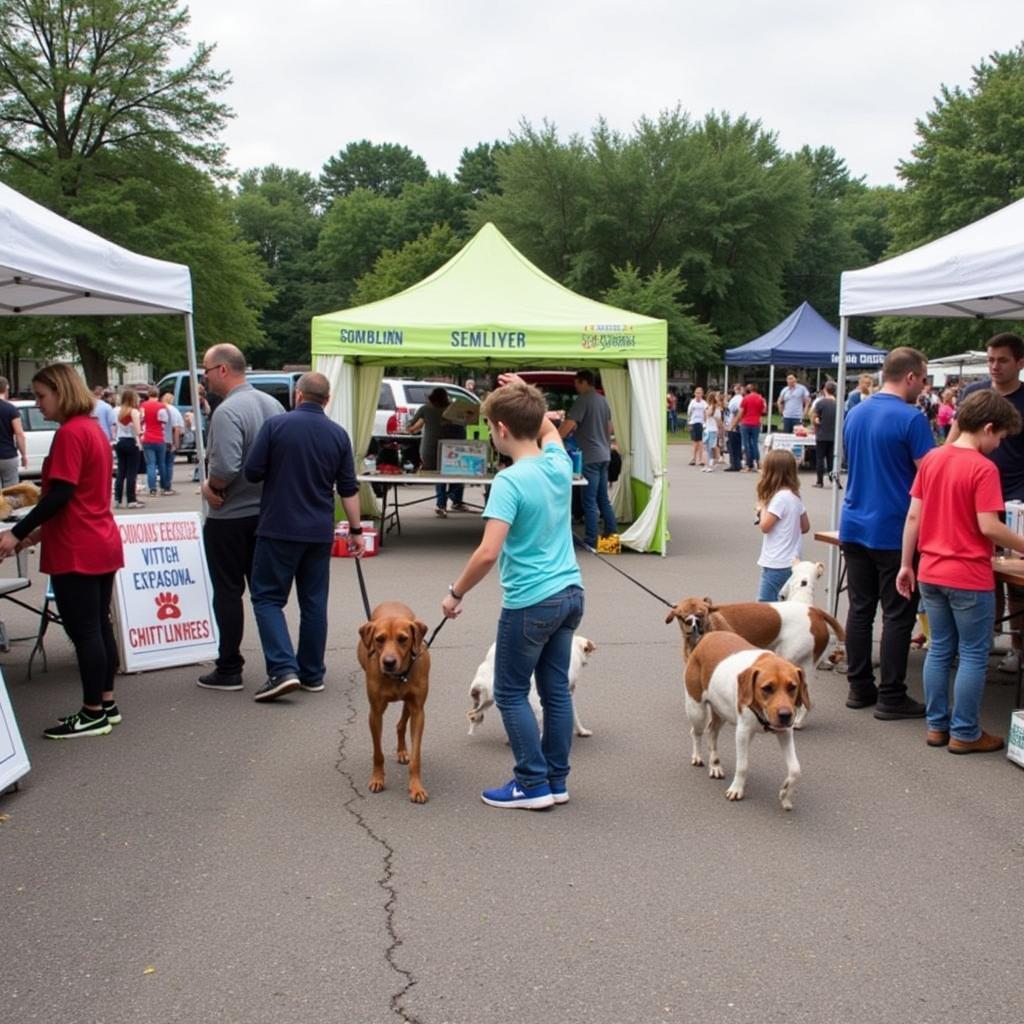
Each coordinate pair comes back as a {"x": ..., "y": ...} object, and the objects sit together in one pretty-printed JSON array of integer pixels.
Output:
[
  {"x": 782, "y": 518},
  {"x": 696, "y": 413},
  {"x": 953, "y": 521},
  {"x": 712, "y": 430},
  {"x": 528, "y": 528}
]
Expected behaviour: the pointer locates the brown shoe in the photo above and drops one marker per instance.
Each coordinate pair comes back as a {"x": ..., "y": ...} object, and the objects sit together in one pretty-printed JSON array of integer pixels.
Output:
[
  {"x": 984, "y": 744},
  {"x": 937, "y": 738}
]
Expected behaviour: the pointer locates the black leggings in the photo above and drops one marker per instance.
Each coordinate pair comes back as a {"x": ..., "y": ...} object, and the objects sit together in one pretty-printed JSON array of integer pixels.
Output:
[
  {"x": 127, "y": 452},
  {"x": 83, "y": 603}
]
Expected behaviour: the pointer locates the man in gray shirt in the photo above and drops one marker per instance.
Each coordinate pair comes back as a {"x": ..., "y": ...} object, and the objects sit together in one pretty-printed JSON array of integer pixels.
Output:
[
  {"x": 229, "y": 534},
  {"x": 591, "y": 418}
]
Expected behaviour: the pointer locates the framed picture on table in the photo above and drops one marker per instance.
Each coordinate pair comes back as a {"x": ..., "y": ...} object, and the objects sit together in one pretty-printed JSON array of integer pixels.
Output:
[{"x": 462, "y": 458}]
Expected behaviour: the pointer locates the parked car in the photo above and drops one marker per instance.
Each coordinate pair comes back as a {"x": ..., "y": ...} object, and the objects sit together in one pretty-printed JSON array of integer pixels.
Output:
[
  {"x": 39, "y": 433},
  {"x": 280, "y": 384}
]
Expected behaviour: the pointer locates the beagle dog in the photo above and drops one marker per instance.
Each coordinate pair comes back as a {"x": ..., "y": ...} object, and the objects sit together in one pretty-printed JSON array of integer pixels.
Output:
[
  {"x": 397, "y": 666},
  {"x": 800, "y": 585},
  {"x": 798, "y": 632},
  {"x": 481, "y": 690},
  {"x": 729, "y": 680}
]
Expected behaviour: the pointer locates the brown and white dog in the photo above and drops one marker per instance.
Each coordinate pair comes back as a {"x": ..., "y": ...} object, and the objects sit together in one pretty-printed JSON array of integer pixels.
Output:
[
  {"x": 800, "y": 585},
  {"x": 397, "y": 666},
  {"x": 795, "y": 631},
  {"x": 729, "y": 680},
  {"x": 481, "y": 690}
]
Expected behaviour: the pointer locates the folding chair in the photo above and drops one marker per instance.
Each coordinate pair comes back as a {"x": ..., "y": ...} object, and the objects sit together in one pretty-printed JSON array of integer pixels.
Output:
[
  {"x": 46, "y": 616},
  {"x": 11, "y": 586}
]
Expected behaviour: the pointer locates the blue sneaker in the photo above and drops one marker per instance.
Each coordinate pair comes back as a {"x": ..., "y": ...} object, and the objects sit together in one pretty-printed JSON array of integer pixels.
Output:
[
  {"x": 529, "y": 798},
  {"x": 559, "y": 791}
]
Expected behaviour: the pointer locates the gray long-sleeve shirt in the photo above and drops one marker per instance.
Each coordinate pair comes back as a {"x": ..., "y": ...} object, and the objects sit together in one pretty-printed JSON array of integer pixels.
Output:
[{"x": 233, "y": 429}]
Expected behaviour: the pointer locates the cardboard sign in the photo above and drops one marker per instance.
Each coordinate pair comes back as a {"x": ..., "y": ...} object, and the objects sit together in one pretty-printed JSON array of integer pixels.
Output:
[
  {"x": 13, "y": 759},
  {"x": 462, "y": 458},
  {"x": 164, "y": 596}
]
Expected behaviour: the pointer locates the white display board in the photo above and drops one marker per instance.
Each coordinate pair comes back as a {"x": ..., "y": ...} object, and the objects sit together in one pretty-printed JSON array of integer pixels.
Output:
[
  {"x": 13, "y": 759},
  {"x": 163, "y": 594}
]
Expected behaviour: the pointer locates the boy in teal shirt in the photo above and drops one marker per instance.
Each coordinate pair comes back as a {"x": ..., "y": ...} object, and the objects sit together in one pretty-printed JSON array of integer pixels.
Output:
[{"x": 528, "y": 532}]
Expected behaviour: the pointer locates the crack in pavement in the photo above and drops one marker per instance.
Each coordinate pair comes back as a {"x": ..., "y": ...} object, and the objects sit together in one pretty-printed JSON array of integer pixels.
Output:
[{"x": 386, "y": 881}]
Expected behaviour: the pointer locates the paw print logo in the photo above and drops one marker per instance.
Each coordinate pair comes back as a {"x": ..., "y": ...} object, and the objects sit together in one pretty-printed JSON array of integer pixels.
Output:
[{"x": 167, "y": 606}]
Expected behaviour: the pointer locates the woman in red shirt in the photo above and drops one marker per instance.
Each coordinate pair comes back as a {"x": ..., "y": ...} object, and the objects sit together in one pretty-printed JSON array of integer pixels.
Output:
[
  {"x": 752, "y": 408},
  {"x": 81, "y": 543}
]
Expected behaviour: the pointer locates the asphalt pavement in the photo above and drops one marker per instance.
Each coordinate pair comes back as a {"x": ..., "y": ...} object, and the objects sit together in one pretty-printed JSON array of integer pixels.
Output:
[{"x": 218, "y": 860}]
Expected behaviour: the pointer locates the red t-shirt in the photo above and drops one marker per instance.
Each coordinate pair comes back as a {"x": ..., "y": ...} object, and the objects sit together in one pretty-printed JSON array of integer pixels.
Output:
[
  {"x": 154, "y": 412},
  {"x": 82, "y": 537},
  {"x": 954, "y": 485},
  {"x": 752, "y": 408}
]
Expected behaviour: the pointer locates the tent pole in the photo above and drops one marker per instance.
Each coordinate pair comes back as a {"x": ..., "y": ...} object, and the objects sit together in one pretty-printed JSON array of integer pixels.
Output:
[
  {"x": 197, "y": 414},
  {"x": 725, "y": 386},
  {"x": 837, "y": 461},
  {"x": 771, "y": 394}
]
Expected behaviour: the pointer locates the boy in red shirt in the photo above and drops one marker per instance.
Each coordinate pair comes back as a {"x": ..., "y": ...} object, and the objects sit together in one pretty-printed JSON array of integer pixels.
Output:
[{"x": 956, "y": 500}]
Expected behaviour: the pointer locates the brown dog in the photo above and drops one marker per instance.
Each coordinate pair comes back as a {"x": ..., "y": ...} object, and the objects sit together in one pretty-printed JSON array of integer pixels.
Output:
[{"x": 397, "y": 666}]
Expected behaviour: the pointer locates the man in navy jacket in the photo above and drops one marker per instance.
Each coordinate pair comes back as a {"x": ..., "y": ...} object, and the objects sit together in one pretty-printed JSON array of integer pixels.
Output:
[{"x": 301, "y": 458}]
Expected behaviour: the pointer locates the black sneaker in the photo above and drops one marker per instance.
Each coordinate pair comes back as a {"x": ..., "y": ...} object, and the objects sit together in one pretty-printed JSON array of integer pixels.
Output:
[
  {"x": 81, "y": 723},
  {"x": 220, "y": 681},
  {"x": 907, "y": 708},
  {"x": 277, "y": 686},
  {"x": 110, "y": 709},
  {"x": 312, "y": 687},
  {"x": 857, "y": 700}
]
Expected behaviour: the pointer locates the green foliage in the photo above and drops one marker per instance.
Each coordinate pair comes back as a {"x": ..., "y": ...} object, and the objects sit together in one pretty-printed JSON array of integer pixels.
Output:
[
  {"x": 477, "y": 173},
  {"x": 968, "y": 162},
  {"x": 382, "y": 168},
  {"x": 690, "y": 342},
  {"x": 355, "y": 231},
  {"x": 398, "y": 269}
]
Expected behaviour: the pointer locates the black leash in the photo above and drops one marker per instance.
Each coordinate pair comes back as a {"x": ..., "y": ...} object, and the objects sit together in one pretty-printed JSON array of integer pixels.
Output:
[
  {"x": 366, "y": 602},
  {"x": 657, "y": 597}
]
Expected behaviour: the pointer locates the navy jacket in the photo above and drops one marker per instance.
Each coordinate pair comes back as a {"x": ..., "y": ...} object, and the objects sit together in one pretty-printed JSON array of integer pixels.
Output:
[{"x": 302, "y": 458}]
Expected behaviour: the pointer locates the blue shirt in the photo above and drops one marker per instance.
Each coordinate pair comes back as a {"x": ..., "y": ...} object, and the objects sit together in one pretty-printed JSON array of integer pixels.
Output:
[
  {"x": 534, "y": 496},
  {"x": 883, "y": 437},
  {"x": 301, "y": 457}
]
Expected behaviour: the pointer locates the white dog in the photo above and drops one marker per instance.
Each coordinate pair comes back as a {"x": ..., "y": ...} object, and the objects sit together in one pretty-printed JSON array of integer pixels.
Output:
[
  {"x": 800, "y": 585},
  {"x": 481, "y": 692}
]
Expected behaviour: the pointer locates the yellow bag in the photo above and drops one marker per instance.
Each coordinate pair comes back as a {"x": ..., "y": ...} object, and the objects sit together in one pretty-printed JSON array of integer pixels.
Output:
[{"x": 609, "y": 545}]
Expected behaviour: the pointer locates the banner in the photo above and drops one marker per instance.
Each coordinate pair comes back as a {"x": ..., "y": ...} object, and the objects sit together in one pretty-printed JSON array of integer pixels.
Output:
[
  {"x": 13, "y": 759},
  {"x": 164, "y": 596}
]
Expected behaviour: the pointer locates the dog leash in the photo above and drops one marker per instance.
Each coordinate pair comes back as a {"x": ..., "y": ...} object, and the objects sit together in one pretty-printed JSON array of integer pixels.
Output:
[
  {"x": 366, "y": 602},
  {"x": 621, "y": 572}
]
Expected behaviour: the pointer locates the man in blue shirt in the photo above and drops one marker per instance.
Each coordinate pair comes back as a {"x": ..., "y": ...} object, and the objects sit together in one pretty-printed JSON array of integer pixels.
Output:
[
  {"x": 885, "y": 440},
  {"x": 301, "y": 459},
  {"x": 794, "y": 401}
]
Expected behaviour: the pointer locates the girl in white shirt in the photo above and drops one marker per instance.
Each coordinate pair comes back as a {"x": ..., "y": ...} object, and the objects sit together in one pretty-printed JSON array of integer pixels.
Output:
[
  {"x": 783, "y": 520},
  {"x": 696, "y": 413},
  {"x": 713, "y": 431}
]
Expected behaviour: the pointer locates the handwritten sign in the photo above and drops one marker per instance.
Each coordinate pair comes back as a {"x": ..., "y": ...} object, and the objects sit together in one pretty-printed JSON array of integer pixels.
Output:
[
  {"x": 462, "y": 458},
  {"x": 13, "y": 759},
  {"x": 164, "y": 595}
]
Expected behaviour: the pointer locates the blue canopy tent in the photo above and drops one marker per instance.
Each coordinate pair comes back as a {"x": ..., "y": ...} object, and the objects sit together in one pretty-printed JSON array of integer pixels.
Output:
[{"x": 805, "y": 338}]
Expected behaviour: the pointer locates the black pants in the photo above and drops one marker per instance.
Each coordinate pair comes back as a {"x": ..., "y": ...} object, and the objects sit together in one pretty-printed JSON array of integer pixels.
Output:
[
  {"x": 871, "y": 578},
  {"x": 83, "y": 603},
  {"x": 230, "y": 545},
  {"x": 735, "y": 445},
  {"x": 127, "y": 452},
  {"x": 824, "y": 452}
]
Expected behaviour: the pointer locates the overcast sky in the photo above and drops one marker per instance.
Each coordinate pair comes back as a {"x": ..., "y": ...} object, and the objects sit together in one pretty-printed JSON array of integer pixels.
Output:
[{"x": 312, "y": 75}]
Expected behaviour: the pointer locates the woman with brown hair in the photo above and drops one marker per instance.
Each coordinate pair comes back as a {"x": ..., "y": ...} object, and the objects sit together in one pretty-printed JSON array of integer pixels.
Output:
[
  {"x": 128, "y": 449},
  {"x": 81, "y": 544}
]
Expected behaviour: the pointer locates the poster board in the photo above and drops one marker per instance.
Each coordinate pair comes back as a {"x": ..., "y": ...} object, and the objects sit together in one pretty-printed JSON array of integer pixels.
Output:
[
  {"x": 13, "y": 759},
  {"x": 163, "y": 594},
  {"x": 462, "y": 458}
]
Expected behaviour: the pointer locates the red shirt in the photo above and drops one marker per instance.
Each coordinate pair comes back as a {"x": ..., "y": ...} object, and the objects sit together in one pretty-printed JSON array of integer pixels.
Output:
[
  {"x": 954, "y": 485},
  {"x": 752, "y": 408},
  {"x": 154, "y": 412},
  {"x": 82, "y": 537}
]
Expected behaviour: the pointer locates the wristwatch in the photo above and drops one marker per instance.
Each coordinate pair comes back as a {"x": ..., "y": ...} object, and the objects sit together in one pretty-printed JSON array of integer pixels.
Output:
[
  {"x": 451, "y": 590},
  {"x": 355, "y": 531}
]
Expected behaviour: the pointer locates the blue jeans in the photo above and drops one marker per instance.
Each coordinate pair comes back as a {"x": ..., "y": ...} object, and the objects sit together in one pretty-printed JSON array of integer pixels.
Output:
[
  {"x": 444, "y": 492},
  {"x": 961, "y": 623},
  {"x": 154, "y": 454},
  {"x": 276, "y": 564},
  {"x": 732, "y": 439},
  {"x": 790, "y": 423},
  {"x": 537, "y": 641},
  {"x": 771, "y": 583},
  {"x": 595, "y": 497},
  {"x": 167, "y": 469},
  {"x": 750, "y": 436}
]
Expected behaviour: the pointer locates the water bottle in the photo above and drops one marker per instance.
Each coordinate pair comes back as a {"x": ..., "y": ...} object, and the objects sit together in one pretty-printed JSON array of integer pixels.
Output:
[{"x": 577, "y": 463}]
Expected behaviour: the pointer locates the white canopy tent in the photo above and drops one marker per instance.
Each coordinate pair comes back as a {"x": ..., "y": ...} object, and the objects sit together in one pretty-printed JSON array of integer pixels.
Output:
[
  {"x": 52, "y": 267},
  {"x": 976, "y": 273}
]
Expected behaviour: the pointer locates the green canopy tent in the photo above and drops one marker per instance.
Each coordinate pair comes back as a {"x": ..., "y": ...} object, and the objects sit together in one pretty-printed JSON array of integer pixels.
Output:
[{"x": 488, "y": 307}]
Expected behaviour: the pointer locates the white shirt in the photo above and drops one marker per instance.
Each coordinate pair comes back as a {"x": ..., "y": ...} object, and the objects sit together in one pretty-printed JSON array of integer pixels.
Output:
[
  {"x": 784, "y": 541},
  {"x": 696, "y": 411},
  {"x": 733, "y": 411}
]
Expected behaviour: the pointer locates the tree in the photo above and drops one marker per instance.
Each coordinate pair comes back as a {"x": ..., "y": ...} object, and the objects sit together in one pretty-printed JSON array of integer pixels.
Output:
[
  {"x": 478, "y": 169},
  {"x": 356, "y": 229},
  {"x": 968, "y": 162},
  {"x": 398, "y": 269},
  {"x": 690, "y": 342},
  {"x": 89, "y": 94},
  {"x": 383, "y": 168}
]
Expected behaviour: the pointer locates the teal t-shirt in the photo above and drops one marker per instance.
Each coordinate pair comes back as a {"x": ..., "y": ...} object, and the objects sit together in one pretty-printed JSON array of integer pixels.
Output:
[{"x": 534, "y": 496}]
